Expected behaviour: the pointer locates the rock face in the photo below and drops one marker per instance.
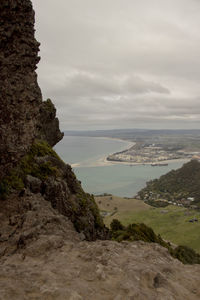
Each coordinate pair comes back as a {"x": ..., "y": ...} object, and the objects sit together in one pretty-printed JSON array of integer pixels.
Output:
[
  {"x": 48, "y": 125},
  {"x": 43, "y": 173},
  {"x": 20, "y": 95},
  {"x": 23, "y": 116},
  {"x": 27, "y": 162}
]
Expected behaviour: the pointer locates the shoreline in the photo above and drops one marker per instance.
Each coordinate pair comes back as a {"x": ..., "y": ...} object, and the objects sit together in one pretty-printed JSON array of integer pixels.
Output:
[
  {"x": 149, "y": 163},
  {"x": 103, "y": 162},
  {"x": 103, "y": 137}
]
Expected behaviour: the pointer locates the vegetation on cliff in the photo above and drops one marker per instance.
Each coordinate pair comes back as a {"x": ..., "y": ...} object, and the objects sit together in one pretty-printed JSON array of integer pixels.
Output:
[
  {"x": 42, "y": 171},
  {"x": 28, "y": 165},
  {"x": 141, "y": 232},
  {"x": 135, "y": 232}
]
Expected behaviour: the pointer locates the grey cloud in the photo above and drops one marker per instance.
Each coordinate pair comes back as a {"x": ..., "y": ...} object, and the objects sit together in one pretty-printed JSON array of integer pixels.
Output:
[
  {"x": 81, "y": 84},
  {"x": 133, "y": 110},
  {"x": 128, "y": 63}
]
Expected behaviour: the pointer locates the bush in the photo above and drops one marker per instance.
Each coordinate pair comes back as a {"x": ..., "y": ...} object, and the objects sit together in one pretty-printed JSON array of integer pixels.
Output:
[
  {"x": 116, "y": 225},
  {"x": 136, "y": 232},
  {"x": 186, "y": 255}
]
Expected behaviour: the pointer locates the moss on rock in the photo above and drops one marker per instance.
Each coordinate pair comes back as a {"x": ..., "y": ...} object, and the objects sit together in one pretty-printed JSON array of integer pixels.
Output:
[
  {"x": 88, "y": 208},
  {"x": 42, "y": 171},
  {"x": 29, "y": 166}
]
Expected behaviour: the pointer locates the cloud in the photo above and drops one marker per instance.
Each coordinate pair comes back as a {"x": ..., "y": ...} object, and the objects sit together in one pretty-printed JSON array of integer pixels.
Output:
[
  {"x": 79, "y": 83},
  {"x": 120, "y": 63}
]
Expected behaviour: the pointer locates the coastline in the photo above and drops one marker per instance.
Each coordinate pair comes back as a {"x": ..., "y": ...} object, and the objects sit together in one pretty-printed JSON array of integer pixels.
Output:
[
  {"x": 149, "y": 163},
  {"x": 130, "y": 144},
  {"x": 103, "y": 162}
]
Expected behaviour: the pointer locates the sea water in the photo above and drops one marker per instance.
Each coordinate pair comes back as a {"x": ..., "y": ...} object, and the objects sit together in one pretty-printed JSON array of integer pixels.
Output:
[{"x": 118, "y": 179}]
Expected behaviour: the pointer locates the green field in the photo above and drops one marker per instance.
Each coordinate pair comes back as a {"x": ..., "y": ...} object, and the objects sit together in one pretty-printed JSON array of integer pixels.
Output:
[{"x": 172, "y": 222}]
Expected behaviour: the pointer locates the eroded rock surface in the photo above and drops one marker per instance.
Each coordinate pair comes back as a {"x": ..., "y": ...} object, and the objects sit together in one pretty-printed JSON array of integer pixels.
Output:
[
  {"x": 48, "y": 125},
  {"x": 23, "y": 115},
  {"x": 41, "y": 172},
  {"x": 43, "y": 257},
  {"x": 20, "y": 95}
]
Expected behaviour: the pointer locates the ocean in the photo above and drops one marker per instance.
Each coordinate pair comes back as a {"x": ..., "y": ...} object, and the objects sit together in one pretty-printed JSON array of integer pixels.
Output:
[{"x": 86, "y": 155}]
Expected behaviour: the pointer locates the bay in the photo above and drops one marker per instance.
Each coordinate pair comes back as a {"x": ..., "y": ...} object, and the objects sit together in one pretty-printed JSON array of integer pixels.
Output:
[{"x": 87, "y": 157}]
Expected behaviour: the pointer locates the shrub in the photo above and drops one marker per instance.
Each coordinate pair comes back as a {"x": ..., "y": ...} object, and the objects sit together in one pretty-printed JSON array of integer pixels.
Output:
[
  {"x": 186, "y": 255},
  {"x": 136, "y": 232},
  {"x": 116, "y": 225}
]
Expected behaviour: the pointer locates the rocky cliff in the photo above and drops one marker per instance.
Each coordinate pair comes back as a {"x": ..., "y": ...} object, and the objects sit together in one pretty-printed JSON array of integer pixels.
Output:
[
  {"x": 23, "y": 115},
  {"x": 29, "y": 127},
  {"x": 20, "y": 94},
  {"x": 48, "y": 225}
]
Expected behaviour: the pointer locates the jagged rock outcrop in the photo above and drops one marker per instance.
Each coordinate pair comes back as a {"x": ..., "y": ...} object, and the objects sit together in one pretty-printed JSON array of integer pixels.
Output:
[
  {"x": 27, "y": 162},
  {"x": 48, "y": 124},
  {"x": 20, "y": 95},
  {"x": 22, "y": 112},
  {"x": 43, "y": 173}
]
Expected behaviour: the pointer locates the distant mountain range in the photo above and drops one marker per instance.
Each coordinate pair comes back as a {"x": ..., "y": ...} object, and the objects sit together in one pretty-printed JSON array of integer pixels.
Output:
[{"x": 131, "y": 133}]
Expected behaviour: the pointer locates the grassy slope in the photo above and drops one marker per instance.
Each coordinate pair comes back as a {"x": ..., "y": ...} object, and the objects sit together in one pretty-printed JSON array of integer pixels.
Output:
[
  {"x": 122, "y": 204},
  {"x": 172, "y": 225}
]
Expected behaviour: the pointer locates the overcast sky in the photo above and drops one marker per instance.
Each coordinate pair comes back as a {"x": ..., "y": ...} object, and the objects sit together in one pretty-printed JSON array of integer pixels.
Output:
[{"x": 120, "y": 63}]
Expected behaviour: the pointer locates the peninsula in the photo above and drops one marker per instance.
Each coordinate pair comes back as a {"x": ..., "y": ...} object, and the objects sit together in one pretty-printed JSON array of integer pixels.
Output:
[
  {"x": 155, "y": 147},
  {"x": 151, "y": 153}
]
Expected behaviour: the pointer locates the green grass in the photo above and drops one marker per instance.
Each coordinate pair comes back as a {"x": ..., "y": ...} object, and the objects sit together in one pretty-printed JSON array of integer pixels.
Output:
[{"x": 172, "y": 225}]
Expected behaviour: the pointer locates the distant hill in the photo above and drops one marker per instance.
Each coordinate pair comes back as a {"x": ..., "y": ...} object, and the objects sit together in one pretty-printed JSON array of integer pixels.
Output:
[
  {"x": 133, "y": 133},
  {"x": 113, "y": 133},
  {"x": 189, "y": 140},
  {"x": 176, "y": 185}
]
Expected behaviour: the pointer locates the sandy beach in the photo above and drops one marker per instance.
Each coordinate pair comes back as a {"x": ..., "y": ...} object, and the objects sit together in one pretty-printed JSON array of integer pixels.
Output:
[{"x": 104, "y": 162}]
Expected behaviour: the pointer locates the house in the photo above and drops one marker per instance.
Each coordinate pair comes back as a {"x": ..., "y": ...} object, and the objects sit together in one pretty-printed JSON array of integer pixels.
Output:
[{"x": 190, "y": 198}]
